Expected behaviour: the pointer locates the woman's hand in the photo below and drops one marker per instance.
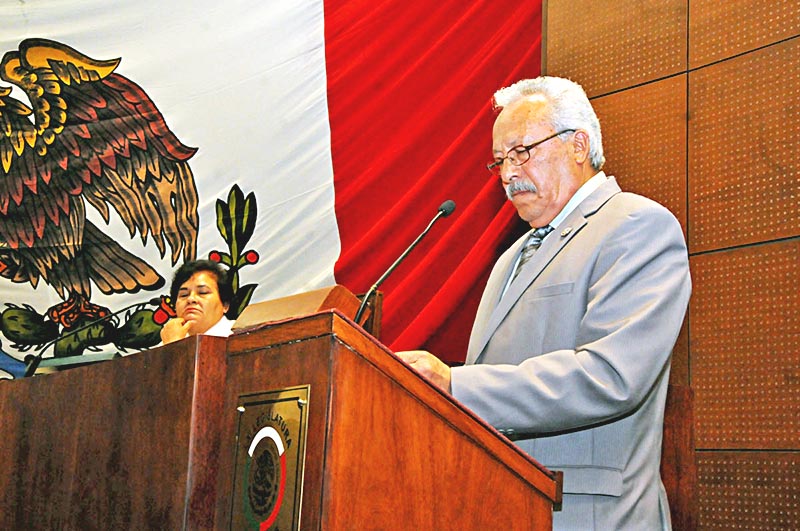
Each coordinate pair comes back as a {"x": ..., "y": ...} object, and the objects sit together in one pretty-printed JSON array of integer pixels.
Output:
[{"x": 175, "y": 329}]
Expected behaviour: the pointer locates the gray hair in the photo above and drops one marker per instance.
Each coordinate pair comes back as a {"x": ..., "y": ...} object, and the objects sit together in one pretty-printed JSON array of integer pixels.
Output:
[{"x": 569, "y": 108}]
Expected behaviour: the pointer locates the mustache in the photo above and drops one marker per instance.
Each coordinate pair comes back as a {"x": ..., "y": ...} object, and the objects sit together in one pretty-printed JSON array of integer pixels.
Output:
[{"x": 519, "y": 185}]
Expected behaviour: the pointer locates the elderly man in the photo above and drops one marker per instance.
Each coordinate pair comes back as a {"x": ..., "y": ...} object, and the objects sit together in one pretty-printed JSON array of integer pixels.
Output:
[{"x": 570, "y": 351}]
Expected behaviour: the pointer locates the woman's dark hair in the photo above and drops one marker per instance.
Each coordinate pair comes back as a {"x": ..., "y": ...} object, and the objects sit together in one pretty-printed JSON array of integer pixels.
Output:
[{"x": 188, "y": 269}]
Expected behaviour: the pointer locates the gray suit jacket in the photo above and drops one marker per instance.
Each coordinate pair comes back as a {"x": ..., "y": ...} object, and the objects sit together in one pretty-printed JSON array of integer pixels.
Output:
[{"x": 576, "y": 355}]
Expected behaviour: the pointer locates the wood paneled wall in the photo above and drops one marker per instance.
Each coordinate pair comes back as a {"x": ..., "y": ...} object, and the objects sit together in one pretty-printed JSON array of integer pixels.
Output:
[{"x": 699, "y": 103}]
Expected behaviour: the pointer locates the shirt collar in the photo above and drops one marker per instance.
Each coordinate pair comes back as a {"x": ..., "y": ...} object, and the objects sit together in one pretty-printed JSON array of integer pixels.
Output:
[{"x": 583, "y": 192}]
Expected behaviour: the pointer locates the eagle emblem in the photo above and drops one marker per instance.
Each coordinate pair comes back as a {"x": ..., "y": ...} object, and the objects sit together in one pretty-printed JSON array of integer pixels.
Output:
[{"x": 90, "y": 137}]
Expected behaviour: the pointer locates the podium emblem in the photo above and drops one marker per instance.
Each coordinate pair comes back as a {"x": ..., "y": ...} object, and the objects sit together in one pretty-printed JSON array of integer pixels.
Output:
[{"x": 270, "y": 453}]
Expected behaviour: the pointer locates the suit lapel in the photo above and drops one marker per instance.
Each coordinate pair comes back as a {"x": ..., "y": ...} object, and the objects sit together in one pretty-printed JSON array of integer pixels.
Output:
[
  {"x": 491, "y": 297},
  {"x": 496, "y": 309}
]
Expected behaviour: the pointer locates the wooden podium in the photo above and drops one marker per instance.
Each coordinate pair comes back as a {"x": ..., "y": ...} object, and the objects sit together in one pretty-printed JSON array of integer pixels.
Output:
[{"x": 309, "y": 423}]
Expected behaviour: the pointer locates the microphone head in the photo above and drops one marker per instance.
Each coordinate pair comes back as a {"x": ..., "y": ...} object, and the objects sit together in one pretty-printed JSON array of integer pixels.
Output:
[{"x": 447, "y": 207}]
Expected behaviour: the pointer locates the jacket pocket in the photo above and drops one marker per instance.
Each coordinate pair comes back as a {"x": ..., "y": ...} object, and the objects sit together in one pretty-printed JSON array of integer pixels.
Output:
[
  {"x": 590, "y": 480},
  {"x": 552, "y": 290}
]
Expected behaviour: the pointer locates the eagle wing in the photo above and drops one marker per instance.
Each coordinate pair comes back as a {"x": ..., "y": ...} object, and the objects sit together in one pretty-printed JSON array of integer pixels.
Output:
[{"x": 96, "y": 137}]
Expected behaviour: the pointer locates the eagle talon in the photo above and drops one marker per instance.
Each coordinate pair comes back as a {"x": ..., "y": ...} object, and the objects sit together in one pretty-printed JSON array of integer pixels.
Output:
[{"x": 74, "y": 310}]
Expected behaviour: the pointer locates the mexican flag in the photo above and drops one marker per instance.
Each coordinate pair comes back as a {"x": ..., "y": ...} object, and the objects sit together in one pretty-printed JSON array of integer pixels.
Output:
[{"x": 305, "y": 142}]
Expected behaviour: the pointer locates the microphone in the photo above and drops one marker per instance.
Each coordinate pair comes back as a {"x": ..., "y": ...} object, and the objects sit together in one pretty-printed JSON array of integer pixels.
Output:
[
  {"x": 34, "y": 361},
  {"x": 445, "y": 209}
]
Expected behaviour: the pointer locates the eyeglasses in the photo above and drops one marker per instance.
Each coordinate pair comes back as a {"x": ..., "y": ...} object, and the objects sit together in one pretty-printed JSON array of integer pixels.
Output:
[{"x": 519, "y": 155}]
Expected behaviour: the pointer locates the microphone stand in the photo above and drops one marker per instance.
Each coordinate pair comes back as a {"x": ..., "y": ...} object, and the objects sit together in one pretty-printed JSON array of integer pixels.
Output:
[{"x": 445, "y": 210}]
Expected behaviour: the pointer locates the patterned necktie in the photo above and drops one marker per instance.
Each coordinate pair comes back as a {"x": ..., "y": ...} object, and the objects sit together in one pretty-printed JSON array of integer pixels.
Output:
[{"x": 533, "y": 243}]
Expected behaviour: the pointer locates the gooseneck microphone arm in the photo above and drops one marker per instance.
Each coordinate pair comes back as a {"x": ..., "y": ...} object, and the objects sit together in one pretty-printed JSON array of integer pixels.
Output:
[
  {"x": 445, "y": 209},
  {"x": 34, "y": 362}
]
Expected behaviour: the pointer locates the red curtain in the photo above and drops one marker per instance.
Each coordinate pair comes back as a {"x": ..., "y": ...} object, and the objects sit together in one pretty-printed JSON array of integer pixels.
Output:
[{"x": 409, "y": 99}]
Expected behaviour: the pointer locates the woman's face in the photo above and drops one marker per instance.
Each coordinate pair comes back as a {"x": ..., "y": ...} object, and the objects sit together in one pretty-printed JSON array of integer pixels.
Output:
[{"x": 199, "y": 303}]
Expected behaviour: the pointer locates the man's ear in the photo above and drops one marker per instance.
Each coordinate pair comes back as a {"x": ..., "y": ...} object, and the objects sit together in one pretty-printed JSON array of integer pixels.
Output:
[{"x": 580, "y": 146}]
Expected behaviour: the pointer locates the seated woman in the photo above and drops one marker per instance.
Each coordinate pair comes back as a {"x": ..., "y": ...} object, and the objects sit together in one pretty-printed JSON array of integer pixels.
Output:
[{"x": 201, "y": 294}]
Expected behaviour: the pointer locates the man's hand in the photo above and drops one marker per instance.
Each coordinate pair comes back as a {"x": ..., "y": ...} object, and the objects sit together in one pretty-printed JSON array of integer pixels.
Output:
[
  {"x": 174, "y": 330},
  {"x": 428, "y": 366}
]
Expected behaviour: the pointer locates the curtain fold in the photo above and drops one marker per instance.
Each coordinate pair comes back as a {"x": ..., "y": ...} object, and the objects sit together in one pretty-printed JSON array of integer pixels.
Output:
[{"x": 409, "y": 90}]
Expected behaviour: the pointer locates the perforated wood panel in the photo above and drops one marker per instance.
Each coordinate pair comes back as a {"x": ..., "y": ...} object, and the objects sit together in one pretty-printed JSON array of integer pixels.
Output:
[
  {"x": 679, "y": 369},
  {"x": 607, "y": 46},
  {"x": 644, "y": 139},
  {"x": 752, "y": 491},
  {"x": 743, "y": 214},
  {"x": 745, "y": 346},
  {"x": 744, "y": 170},
  {"x": 718, "y": 30}
]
